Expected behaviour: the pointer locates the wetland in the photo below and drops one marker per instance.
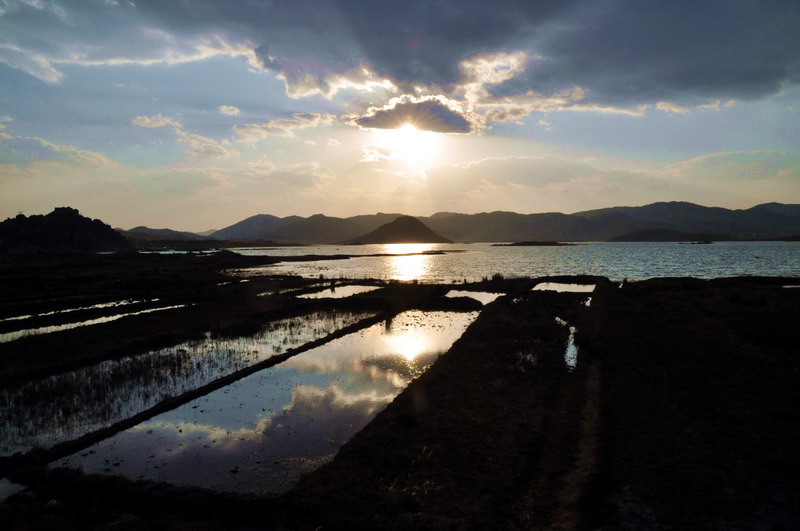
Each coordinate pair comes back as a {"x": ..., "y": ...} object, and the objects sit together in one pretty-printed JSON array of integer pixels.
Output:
[{"x": 281, "y": 401}]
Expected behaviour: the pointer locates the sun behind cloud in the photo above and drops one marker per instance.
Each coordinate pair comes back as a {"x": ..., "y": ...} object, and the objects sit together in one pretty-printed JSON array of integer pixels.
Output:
[{"x": 410, "y": 146}]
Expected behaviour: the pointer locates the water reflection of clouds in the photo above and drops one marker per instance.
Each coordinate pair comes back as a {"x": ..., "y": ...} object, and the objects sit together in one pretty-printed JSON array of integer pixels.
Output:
[
  {"x": 67, "y": 405},
  {"x": 268, "y": 456},
  {"x": 260, "y": 433},
  {"x": 330, "y": 408}
]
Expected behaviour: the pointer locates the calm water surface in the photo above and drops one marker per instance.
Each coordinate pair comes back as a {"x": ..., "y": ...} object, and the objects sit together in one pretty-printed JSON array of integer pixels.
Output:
[
  {"x": 65, "y": 406},
  {"x": 262, "y": 432},
  {"x": 634, "y": 261}
]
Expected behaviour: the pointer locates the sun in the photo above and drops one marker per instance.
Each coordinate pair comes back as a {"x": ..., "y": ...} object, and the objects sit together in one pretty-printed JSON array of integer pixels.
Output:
[{"x": 406, "y": 144}]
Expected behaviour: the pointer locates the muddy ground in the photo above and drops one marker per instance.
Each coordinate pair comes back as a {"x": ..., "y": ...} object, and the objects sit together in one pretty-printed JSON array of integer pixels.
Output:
[{"x": 682, "y": 412}]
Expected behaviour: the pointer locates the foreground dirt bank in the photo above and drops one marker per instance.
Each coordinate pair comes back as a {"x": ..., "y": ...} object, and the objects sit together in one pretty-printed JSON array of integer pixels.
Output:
[{"x": 681, "y": 413}]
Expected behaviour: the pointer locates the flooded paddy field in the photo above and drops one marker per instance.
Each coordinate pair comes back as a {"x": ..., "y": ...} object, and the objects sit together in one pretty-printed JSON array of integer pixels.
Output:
[
  {"x": 261, "y": 433},
  {"x": 64, "y": 406},
  {"x": 664, "y": 403}
]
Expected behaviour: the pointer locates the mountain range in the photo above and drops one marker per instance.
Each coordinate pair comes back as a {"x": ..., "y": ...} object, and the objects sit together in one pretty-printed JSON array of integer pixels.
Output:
[
  {"x": 65, "y": 231},
  {"x": 766, "y": 221}
]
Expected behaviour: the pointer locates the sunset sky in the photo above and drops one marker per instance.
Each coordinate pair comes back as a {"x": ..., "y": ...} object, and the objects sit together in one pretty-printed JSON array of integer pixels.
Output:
[{"x": 196, "y": 114}]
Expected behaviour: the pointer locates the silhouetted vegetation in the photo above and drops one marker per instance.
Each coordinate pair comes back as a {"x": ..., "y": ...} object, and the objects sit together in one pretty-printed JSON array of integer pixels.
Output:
[{"x": 64, "y": 230}]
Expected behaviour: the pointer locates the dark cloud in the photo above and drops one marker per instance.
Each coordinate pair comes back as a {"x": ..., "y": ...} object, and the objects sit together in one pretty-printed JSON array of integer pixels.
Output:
[
  {"x": 644, "y": 51},
  {"x": 619, "y": 51},
  {"x": 424, "y": 41},
  {"x": 427, "y": 114},
  {"x": 267, "y": 61}
]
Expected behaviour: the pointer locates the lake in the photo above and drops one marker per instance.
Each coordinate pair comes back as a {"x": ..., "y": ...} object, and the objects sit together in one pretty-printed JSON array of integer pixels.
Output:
[{"x": 631, "y": 260}]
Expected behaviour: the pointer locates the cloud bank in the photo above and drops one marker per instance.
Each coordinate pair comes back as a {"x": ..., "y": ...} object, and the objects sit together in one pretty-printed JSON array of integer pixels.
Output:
[{"x": 621, "y": 53}]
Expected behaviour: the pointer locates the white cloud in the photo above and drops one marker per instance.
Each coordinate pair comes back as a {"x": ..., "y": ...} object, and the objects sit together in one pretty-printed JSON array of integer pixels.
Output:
[
  {"x": 674, "y": 108},
  {"x": 297, "y": 175},
  {"x": 489, "y": 69},
  {"x": 303, "y": 174},
  {"x": 512, "y": 108},
  {"x": 78, "y": 156},
  {"x": 374, "y": 154},
  {"x": 201, "y": 147},
  {"x": 197, "y": 146},
  {"x": 303, "y": 84},
  {"x": 229, "y": 110},
  {"x": 155, "y": 121},
  {"x": 34, "y": 64},
  {"x": 711, "y": 105},
  {"x": 176, "y": 52},
  {"x": 737, "y": 166},
  {"x": 284, "y": 127}
]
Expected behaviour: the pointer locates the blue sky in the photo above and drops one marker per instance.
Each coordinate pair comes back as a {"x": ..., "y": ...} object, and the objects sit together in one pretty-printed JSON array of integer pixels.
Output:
[{"x": 194, "y": 115}]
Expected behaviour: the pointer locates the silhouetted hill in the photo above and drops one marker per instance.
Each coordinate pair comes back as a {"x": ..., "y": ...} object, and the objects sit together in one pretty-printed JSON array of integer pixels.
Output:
[
  {"x": 667, "y": 235},
  {"x": 319, "y": 229},
  {"x": 255, "y": 227},
  {"x": 294, "y": 229},
  {"x": 779, "y": 208},
  {"x": 404, "y": 229},
  {"x": 161, "y": 234},
  {"x": 765, "y": 221},
  {"x": 510, "y": 227},
  {"x": 63, "y": 230}
]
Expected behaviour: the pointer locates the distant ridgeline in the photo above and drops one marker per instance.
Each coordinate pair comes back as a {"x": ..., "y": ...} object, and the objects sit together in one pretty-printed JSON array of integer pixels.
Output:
[
  {"x": 63, "y": 230},
  {"x": 671, "y": 221}
]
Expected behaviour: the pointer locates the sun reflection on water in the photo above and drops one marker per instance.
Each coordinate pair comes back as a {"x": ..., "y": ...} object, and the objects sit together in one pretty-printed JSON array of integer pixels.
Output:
[
  {"x": 408, "y": 343},
  {"x": 407, "y": 267}
]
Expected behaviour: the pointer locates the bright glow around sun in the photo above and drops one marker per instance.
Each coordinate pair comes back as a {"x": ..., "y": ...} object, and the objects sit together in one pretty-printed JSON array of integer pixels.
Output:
[
  {"x": 415, "y": 148},
  {"x": 409, "y": 343}
]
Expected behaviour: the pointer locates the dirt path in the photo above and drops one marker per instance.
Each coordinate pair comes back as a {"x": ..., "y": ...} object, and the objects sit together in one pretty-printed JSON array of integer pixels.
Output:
[{"x": 566, "y": 513}]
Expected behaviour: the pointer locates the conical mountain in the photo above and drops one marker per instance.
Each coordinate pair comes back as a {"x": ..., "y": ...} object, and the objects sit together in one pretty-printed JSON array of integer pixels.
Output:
[{"x": 404, "y": 229}]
